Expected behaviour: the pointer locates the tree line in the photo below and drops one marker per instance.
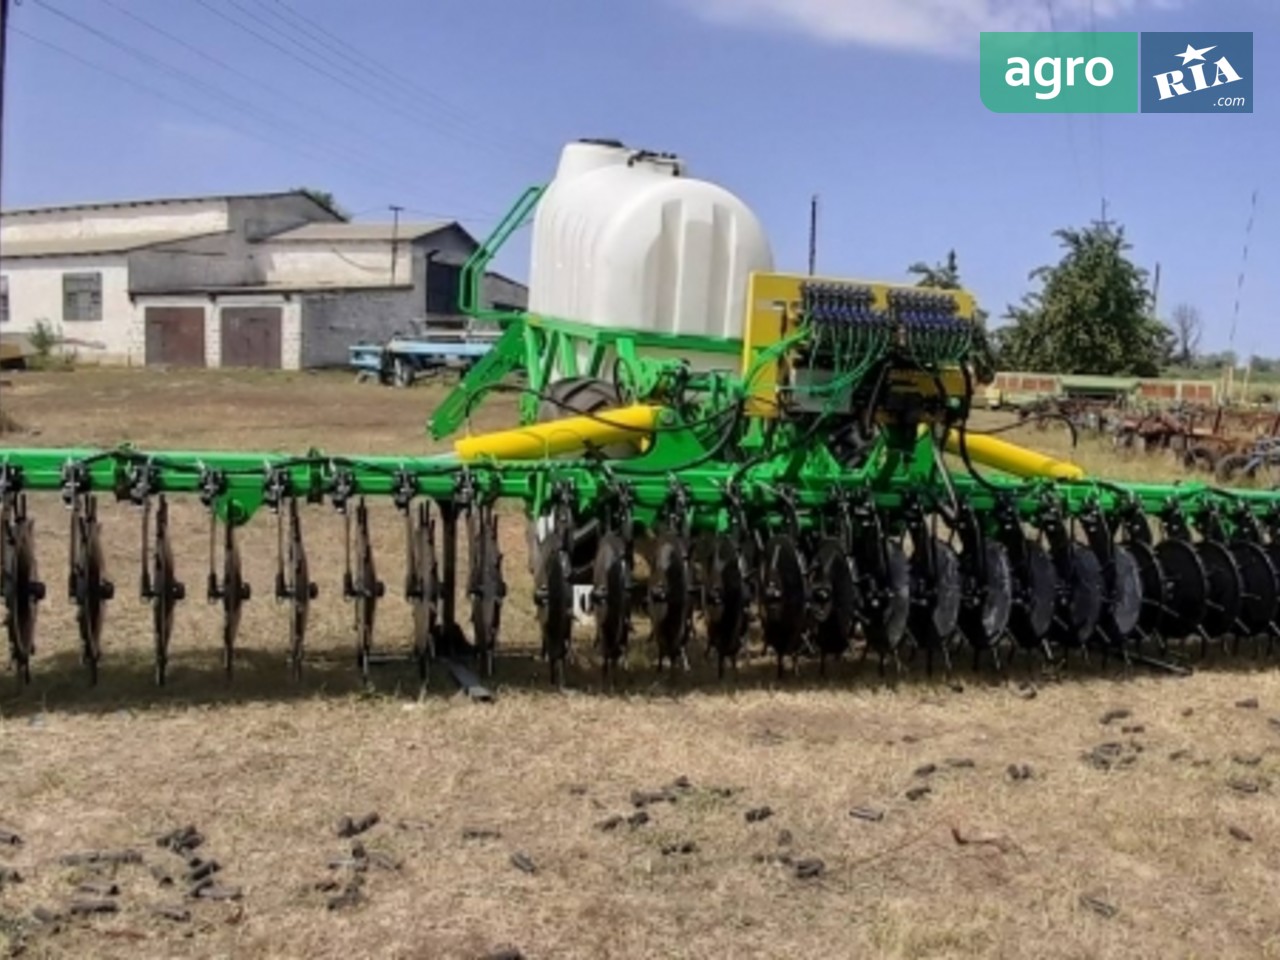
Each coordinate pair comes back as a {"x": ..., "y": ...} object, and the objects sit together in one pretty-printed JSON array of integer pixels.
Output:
[{"x": 1093, "y": 313}]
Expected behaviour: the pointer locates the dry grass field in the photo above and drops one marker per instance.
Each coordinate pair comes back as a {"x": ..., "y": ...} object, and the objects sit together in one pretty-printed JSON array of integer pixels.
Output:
[{"x": 1052, "y": 827}]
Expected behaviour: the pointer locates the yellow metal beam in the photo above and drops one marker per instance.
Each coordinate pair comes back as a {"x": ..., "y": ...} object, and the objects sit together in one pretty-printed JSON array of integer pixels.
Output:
[
  {"x": 1011, "y": 458},
  {"x": 569, "y": 435}
]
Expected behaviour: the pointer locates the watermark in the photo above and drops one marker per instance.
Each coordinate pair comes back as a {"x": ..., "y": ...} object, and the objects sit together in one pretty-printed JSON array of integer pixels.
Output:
[
  {"x": 1087, "y": 72},
  {"x": 1197, "y": 73},
  {"x": 1063, "y": 72}
]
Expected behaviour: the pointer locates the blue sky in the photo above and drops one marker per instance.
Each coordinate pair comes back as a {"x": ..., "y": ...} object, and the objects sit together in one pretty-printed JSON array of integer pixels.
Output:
[{"x": 451, "y": 107}]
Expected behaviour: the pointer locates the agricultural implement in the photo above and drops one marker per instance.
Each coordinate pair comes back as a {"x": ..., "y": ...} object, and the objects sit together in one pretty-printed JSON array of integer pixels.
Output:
[{"x": 721, "y": 457}]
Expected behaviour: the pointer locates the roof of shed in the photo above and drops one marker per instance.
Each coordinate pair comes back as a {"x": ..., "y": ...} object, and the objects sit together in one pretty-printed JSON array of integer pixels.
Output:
[
  {"x": 360, "y": 232},
  {"x": 161, "y": 201},
  {"x": 102, "y": 244}
]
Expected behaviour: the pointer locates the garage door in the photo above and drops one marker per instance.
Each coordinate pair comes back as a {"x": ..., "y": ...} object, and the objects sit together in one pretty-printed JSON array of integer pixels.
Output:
[
  {"x": 175, "y": 336},
  {"x": 251, "y": 337}
]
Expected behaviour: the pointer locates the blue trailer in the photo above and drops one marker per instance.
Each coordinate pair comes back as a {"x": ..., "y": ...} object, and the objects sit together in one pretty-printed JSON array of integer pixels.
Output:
[{"x": 405, "y": 357}]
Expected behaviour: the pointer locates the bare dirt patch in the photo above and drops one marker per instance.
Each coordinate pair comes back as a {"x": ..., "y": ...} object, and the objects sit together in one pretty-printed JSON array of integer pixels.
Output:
[{"x": 908, "y": 822}]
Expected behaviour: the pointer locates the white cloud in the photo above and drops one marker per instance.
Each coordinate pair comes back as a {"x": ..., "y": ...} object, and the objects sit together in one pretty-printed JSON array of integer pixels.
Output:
[{"x": 946, "y": 27}]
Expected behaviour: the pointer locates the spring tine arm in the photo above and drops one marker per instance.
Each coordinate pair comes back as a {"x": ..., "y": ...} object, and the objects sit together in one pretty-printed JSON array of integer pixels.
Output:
[
  {"x": 299, "y": 590},
  {"x": 165, "y": 589}
]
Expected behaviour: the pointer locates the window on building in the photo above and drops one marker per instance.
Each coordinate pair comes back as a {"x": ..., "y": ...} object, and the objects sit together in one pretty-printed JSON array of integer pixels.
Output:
[
  {"x": 82, "y": 296},
  {"x": 443, "y": 282},
  {"x": 4, "y": 299}
]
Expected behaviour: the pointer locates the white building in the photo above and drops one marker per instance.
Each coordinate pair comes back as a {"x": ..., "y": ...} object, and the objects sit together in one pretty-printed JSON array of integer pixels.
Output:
[{"x": 267, "y": 280}]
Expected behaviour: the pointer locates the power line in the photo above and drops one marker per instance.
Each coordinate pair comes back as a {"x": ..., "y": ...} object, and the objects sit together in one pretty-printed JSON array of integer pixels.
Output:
[
  {"x": 1066, "y": 117},
  {"x": 378, "y": 96},
  {"x": 370, "y": 64},
  {"x": 160, "y": 94},
  {"x": 1244, "y": 260},
  {"x": 218, "y": 62},
  {"x": 213, "y": 90},
  {"x": 252, "y": 110}
]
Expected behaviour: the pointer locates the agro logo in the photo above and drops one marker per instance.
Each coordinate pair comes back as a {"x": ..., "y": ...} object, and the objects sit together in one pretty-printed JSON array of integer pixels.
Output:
[
  {"x": 1197, "y": 73},
  {"x": 1173, "y": 83}
]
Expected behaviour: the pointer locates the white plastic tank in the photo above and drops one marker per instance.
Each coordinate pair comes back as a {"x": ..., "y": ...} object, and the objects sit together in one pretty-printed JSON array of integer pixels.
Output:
[{"x": 623, "y": 238}]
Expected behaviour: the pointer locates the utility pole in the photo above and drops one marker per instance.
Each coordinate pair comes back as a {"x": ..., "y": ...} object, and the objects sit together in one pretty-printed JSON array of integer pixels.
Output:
[
  {"x": 395, "y": 237},
  {"x": 4, "y": 35},
  {"x": 1155, "y": 293},
  {"x": 813, "y": 233}
]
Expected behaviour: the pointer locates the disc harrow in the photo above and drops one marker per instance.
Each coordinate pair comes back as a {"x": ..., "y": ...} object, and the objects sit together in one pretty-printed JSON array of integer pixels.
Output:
[{"x": 808, "y": 488}]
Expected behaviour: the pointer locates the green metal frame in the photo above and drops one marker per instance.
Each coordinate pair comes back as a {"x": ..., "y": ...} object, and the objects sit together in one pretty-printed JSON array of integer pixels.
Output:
[{"x": 704, "y": 451}]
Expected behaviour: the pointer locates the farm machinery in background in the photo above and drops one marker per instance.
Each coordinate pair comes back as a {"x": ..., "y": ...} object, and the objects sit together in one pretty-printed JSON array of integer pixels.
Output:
[
  {"x": 720, "y": 456},
  {"x": 425, "y": 350}
]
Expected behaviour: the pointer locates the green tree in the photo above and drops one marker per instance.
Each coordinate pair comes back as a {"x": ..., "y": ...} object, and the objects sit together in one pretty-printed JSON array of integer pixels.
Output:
[{"x": 1092, "y": 314}]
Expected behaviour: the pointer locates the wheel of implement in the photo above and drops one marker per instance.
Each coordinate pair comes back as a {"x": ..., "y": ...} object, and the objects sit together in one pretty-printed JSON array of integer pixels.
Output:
[
  {"x": 935, "y": 601},
  {"x": 1153, "y": 585},
  {"x": 570, "y": 397},
  {"x": 611, "y": 597},
  {"x": 724, "y": 602},
  {"x": 165, "y": 588},
  {"x": 1036, "y": 592},
  {"x": 90, "y": 589},
  {"x": 1260, "y": 599},
  {"x": 487, "y": 587},
  {"x": 1079, "y": 605},
  {"x": 553, "y": 597},
  {"x": 784, "y": 596},
  {"x": 670, "y": 598},
  {"x": 423, "y": 589},
  {"x": 983, "y": 621},
  {"x": 1225, "y": 589},
  {"x": 887, "y": 602},
  {"x": 833, "y": 592},
  {"x": 1121, "y": 616},
  {"x": 21, "y": 587},
  {"x": 1186, "y": 588}
]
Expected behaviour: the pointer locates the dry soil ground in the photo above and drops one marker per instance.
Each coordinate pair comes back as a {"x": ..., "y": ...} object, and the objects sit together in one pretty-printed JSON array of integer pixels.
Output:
[{"x": 1031, "y": 842}]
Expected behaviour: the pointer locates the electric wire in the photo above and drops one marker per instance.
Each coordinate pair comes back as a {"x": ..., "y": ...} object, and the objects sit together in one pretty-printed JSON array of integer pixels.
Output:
[
  {"x": 376, "y": 97},
  {"x": 240, "y": 105}
]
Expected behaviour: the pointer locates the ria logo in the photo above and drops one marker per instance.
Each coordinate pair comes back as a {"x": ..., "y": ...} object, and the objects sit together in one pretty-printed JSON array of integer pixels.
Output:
[{"x": 1201, "y": 73}]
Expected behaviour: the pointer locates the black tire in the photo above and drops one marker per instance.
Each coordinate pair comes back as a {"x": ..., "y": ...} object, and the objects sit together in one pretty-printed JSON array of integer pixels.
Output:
[{"x": 570, "y": 397}]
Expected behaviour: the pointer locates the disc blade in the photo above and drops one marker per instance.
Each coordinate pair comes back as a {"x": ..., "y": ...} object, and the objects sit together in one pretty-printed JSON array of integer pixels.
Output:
[
  {"x": 1035, "y": 591},
  {"x": 935, "y": 609},
  {"x": 612, "y": 595},
  {"x": 1153, "y": 585},
  {"x": 725, "y": 598},
  {"x": 1260, "y": 596},
  {"x": 1186, "y": 588},
  {"x": 986, "y": 604},
  {"x": 835, "y": 596},
  {"x": 1225, "y": 588},
  {"x": 887, "y": 603},
  {"x": 785, "y": 595},
  {"x": 1125, "y": 609}
]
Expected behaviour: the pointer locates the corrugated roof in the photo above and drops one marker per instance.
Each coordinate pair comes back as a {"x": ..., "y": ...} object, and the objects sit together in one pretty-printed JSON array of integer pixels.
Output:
[
  {"x": 359, "y": 232},
  {"x": 149, "y": 202},
  {"x": 107, "y": 243}
]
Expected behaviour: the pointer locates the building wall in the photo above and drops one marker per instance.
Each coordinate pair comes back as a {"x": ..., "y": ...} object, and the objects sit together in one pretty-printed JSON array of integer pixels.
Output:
[
  {"x": 233, "y": 259},
  {"x": 199, "y": 216},
  {"x": 35, "y": 293},
  {"x": 322, "y": 264},
  {"x": 333, "y": 322}
]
